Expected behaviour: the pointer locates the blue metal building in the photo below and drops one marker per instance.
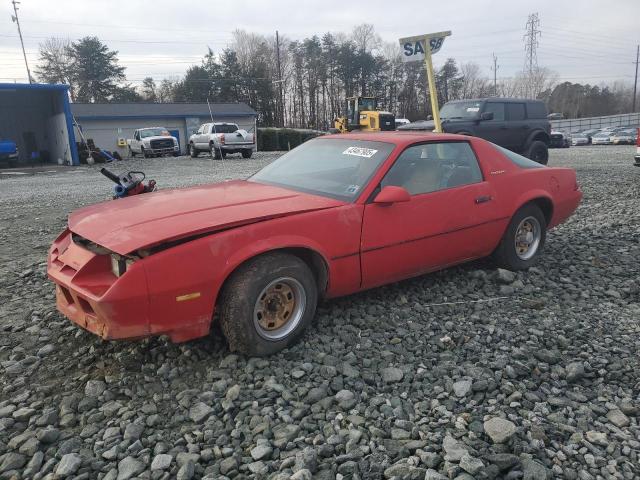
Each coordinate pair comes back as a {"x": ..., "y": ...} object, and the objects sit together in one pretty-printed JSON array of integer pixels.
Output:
[{"x": 37, "y": 117}]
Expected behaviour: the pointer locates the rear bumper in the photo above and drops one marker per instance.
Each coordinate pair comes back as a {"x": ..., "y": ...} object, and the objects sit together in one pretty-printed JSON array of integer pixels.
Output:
[
  {"x": 227, "y": 147},
  {"x": 636, "y": 160}
]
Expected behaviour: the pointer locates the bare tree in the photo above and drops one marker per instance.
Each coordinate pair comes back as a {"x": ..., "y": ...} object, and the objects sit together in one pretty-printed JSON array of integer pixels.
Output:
[
  {"x": 365, "y": 37},
  {"x": 55, "y": 63}
]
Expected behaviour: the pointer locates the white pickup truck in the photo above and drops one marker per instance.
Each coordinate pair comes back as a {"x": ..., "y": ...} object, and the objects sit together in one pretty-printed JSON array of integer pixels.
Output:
[
  {"x": 220, "y": 139},
  {"x": 153, "y": 141}
]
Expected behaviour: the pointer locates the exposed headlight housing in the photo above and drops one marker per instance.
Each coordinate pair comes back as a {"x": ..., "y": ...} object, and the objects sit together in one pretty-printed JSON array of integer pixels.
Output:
[{"x": 120, "y": 264}]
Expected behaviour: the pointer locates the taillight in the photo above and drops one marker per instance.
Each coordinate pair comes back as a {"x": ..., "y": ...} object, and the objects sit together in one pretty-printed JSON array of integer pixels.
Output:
[
  {"x": 221, "y": 137},
  {"x": 638, "y": 139}
]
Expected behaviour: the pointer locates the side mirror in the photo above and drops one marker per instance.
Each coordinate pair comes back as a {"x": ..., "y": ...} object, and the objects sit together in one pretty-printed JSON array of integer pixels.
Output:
[
  {"x": 486, "y": 116},
  {"x": 392, "y": 194}
]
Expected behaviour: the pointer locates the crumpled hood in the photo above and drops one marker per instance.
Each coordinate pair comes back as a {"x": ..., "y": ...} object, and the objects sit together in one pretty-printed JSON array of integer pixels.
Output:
[{"x": 145, "y": 220}]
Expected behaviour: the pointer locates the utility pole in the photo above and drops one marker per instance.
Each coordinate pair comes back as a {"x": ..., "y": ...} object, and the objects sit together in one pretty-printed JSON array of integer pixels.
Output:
[
  {"x": 635, "y": 82},
  {"x": 495, "y": 75},
  {"x": 530, "y": 48},
  {"x": 281, "y": 119},
  {"x": 14, "y": 18}
]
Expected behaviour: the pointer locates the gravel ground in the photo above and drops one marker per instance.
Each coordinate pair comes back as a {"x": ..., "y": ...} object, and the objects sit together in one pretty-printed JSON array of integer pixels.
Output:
[{"x": 430, "y": 378}]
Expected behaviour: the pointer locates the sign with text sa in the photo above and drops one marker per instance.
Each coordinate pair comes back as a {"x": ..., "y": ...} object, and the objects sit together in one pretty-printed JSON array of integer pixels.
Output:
[{"x": 413, "y": 47}]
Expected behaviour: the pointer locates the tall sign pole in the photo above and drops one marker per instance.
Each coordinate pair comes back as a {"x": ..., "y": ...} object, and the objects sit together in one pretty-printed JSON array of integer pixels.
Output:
[{"x": 421, "y": 48}]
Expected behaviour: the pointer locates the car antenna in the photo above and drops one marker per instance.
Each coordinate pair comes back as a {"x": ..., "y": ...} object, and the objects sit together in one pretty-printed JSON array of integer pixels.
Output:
[{"x": 215, "y": 133}]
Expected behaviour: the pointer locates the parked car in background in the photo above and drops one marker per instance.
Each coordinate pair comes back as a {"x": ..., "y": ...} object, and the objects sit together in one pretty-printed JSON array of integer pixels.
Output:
[
  {"x": 624, "y": 137},
  {"x": 153, "y": 142},
  {"x": 219, "y": 139},
  {"x": 521, "y": 125},
  {"x": 402, "y": 121},
  {"x": 8, "y": 152},
  {"x": 559, "y": 139},
  {"x": 601, "y": 138},
  {"x": 636, "y": 158},
  {"x": 256, "y": 255},
  {"x": 580, "y": 138}
]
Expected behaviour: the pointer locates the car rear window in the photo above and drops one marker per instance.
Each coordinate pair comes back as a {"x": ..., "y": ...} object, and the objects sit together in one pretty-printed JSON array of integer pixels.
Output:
[
  {"x": 519, "y": 160},
  {"x": 536, "y": 110}
]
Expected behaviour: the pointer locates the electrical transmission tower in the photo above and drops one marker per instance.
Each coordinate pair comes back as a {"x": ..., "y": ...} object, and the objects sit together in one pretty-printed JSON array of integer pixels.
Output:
[{"x": 530, "y": 47}]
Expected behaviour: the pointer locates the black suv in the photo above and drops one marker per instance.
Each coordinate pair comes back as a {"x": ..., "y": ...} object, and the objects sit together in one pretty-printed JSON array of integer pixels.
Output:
[{"x": 517, "y": 124}]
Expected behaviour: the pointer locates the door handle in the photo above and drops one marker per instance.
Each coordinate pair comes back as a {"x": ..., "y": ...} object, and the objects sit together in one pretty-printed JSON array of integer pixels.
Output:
[{"x": 483, "y": 199}]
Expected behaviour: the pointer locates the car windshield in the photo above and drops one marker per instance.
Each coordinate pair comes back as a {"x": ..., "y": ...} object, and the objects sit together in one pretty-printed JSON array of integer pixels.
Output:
[
  {"x": 460, "y": 110},
  {"x": 225, "y": 127},
  {"x": 603, "y": 134},
  {"x": 333, "y": 167},
  {"x": 154, "y": 132},
  {"x": 579, "y": 135}
]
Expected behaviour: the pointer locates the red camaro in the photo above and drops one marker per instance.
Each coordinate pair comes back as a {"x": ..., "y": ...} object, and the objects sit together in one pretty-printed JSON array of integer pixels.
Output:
[{"x": 336, "y": 215}]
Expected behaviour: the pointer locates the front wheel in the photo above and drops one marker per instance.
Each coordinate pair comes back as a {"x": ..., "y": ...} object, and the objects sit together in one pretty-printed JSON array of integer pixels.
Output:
[
  {"x": 267, "y": 304},
  {"x": 523, "y": 240},
  {"x": 192, "y": 151},
  {"x": 538, "y": 152}
]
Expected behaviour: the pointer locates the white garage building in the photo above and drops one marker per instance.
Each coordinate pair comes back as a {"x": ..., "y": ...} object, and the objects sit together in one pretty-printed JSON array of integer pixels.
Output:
[{"x": 110, "y": 124}]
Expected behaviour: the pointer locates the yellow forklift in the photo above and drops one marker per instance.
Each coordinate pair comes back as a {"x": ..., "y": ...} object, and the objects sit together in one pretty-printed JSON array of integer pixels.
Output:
[{"x": 363, "y": 115}]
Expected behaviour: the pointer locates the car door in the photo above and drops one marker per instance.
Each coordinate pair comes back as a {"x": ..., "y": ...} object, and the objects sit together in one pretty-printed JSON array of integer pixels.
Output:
[
  {"x": 199, "y": 136},
  {"x": 494, "y": 130},
  {"x": 448, "y": 219},
  {"x": 135, "y": 143},
  {"x": 518, "y": 127}
]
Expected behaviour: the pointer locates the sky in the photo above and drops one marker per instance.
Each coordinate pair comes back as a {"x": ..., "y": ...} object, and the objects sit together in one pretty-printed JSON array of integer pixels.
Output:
[{"x": 584, "y": 41}]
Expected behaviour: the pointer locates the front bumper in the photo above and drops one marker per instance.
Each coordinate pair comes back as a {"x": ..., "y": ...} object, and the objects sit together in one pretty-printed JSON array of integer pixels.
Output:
[
  {"x": 162, "y": 151},
  {"x": 94, "y": 298}
]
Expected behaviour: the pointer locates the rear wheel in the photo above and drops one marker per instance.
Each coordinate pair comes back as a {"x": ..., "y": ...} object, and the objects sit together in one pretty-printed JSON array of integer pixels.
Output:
[
  {"x": 267, "y": 304},
  {"x": 144, "y": 153},
  {"x": 247, "y": 153},
  {"x": 217, "y": 153},
  {"x": 523, "y": 240},
  {"x": 192, "y": 151},
  {"x": 538, "y": 152}
]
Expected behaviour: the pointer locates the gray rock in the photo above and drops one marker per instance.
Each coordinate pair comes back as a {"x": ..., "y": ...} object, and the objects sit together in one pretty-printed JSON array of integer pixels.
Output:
[
  {"x": 69, "y": 464},
  {"x": 94, "y": 388},
  {"x": 504, "y": 461},
  {"x": 454, "y": 450},
  {"x": 506, "y": 276},
  {"x": 391, "y": 374},
  {"x": 575, "y": 371},
  {"x": 471, "y": 464},
  {"x": 432, "y": 474},
  {"x": 346, "y": 399},
  {"x": 405, "y": 471},
  {"x": 186, "y": 472},
  {"x": 499, "y": 429},
  {"x": 133, "y": 431},
  {"x": 618, "y": 418},
  {"x": 228, "y": 464},
  {"x": 534, "y": 470},
  {"x": 233, "y": 393},
  {"x": 462, "y": 388},
  {"x": 129, "y": 467},
  {"x": 261, "y": 452},
  {"x": 200, "y": 412},
  {"x": 34, "y": 465},
  {"x": 161, "y": 461},
  {"x": 12, "y": 461},
  {"x": 597, "y": 438},
  {"x": 301, "y": 475},
  {"x": 316, "y": 394}
]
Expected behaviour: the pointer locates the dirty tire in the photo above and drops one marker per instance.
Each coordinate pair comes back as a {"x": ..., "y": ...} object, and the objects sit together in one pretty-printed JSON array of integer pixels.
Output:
[
  {"x": 240, "y": 295},
  {"x": 505, "y": 256},
  {"x": 247, "y": 153},
  {"x": 538, "y": 152},
  {"x": 193, "y": 153}
]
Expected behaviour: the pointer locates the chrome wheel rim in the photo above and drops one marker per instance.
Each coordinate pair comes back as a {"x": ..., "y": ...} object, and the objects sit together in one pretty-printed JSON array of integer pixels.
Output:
[
  {"x": 279, "y": 308},
  {"x": 527, "y": 239}
]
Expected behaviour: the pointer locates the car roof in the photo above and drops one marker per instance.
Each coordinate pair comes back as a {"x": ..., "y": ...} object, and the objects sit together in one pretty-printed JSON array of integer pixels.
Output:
[
  {"x": 399, "y": 138},
  {"x": 497, "y": 99}
]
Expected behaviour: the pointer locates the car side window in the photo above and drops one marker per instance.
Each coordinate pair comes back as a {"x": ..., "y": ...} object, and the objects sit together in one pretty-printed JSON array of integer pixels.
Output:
[
  {"x": 515, "y": 111},
  {"x": 136, "y": 135},
  {"x": 497, "y": 109},
  {"x": 434, "y": 166}
]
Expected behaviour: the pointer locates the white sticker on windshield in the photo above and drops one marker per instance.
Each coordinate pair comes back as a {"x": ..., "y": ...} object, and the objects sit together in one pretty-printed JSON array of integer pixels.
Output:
[
  {"x": 360, "y": 152},
  {"x": 353, "y": 189},
  {"x": 473, "y": 109}
]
